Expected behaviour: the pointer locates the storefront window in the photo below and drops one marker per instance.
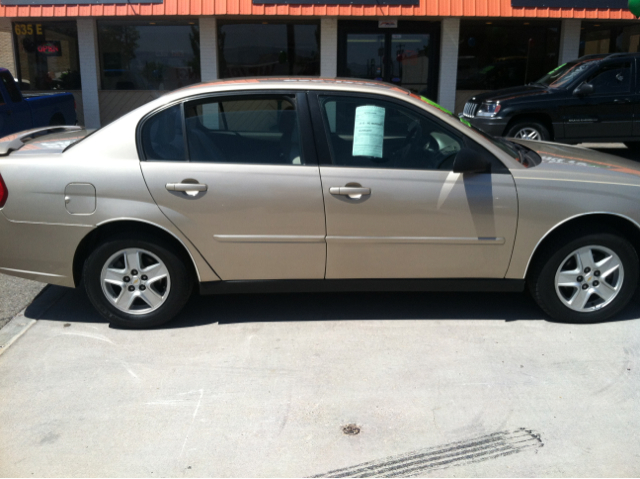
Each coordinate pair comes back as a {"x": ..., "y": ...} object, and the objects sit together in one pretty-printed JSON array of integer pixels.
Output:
[
  {"x": 47, "y": 55},
  {"x": 148, "y": 55},
  {"x": 602, "y": 37},
  {"x": 501, "y": 54},
  {"x": 269, "y": 48}
]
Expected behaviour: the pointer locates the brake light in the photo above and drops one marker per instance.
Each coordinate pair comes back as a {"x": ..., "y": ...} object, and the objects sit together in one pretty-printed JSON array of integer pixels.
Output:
[{"x": 4, "y": 192}]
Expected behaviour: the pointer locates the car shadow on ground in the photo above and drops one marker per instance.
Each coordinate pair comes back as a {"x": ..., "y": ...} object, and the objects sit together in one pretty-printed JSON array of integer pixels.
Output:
[{"x": 73, "y": 306}]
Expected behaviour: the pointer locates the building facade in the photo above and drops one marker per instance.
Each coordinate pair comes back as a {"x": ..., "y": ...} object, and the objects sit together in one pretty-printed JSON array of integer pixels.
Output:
[{"x": 115, "y": 57}]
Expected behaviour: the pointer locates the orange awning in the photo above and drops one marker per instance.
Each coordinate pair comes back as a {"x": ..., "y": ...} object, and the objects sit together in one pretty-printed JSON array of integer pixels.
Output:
[{"x": 427, "y": 8}]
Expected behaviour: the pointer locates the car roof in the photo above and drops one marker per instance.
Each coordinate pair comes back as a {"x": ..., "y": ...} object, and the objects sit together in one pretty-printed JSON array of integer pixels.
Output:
[
  {"x": 607, "y": 56},
  {"x": 298, "y": 83}
]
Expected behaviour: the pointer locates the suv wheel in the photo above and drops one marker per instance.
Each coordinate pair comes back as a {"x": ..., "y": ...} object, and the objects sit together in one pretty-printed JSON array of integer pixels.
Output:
[
  {"x": 136, "y": 282},
  {"x": 529, "y": 130}
]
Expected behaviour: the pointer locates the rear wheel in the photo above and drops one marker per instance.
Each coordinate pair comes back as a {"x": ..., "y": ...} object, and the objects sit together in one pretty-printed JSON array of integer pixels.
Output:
[
  {"x": 587, "y": 279},
  {"x": 137, "y": 282},
  {"x": 529, "y": 130}
]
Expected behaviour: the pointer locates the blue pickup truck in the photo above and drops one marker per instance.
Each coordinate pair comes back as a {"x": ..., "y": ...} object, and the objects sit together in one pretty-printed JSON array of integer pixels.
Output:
[{"x": 18, "y": 112}]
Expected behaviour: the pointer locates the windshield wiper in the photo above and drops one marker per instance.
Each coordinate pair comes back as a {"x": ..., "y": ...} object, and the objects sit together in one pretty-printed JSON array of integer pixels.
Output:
[{"x": 537, "y": 83}]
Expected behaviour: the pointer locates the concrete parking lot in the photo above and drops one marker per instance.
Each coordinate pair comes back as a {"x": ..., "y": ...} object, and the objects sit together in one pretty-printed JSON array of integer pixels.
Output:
[
  {"x": 299, "y": 385},
  {"x": 433, "y": 384}
]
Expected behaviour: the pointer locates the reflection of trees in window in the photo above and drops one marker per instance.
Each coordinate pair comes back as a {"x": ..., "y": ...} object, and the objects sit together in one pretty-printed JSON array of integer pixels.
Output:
[
  {"x": 284, "y": 49},
  {"x": 149, "y": 56},
  {"x": 194, "y": 63},
  {"x": 119, "y": 43}
]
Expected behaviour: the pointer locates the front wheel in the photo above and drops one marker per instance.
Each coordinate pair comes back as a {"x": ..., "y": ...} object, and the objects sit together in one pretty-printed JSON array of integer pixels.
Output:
[
  {"x": 136, "y": 282},
  {"x": 529, "y": 130},
  {"x": 588, "y": 279}
]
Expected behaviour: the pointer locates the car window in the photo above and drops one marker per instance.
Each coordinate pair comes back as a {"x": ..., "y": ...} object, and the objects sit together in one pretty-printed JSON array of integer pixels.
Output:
[
  {"x": 612, "y": 78},
  {"x": 373, "y": 133},
  {"x": 258, "y": 129},
  {"x": 162, "y": 137},
  {"x": 565, "y": 73},
  {"x": 11, "y": 87}
]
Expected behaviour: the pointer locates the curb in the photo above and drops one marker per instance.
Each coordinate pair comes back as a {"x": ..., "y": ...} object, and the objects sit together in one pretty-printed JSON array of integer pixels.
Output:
[
  {"x": 16, "y": 327},
  {"x": 20, "y": 323}
]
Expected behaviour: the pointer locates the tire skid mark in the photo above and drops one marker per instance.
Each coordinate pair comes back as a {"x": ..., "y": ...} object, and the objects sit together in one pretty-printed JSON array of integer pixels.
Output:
[{"x": 483, "y": 448}]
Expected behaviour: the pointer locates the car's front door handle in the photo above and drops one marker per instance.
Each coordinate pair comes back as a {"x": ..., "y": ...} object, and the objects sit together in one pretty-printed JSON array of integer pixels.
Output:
[
  {"x": 354, "y": 192},
  {"x": 622, "y": 100},
  {"x": 185, "y": 187}
]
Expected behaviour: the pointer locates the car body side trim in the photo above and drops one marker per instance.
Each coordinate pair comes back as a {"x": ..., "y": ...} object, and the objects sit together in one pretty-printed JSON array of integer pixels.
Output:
[
  {"x": 269, "y": 238},
  {"x": 566, "y": 220},
  {"x": 416, "y": 240},
  {"x": 34, "y": 273},
  {"x": 44, "y": 223},
  {"x": 363, "y": 285},
  {"x": 564, "y": 180}
]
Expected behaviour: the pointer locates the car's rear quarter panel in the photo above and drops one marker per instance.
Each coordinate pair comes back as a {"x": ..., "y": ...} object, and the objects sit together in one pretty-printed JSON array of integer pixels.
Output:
[{"x": 39, "y": 236}]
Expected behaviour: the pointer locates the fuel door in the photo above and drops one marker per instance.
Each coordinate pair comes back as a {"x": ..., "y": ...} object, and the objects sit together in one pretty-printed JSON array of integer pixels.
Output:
[{"x": 80, "y": 198}]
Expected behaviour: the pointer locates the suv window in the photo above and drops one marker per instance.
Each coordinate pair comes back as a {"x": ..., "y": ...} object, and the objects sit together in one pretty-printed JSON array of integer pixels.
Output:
[
  {"x": 612, "y": 78},
  {"x": 11, "y": 87},
  {"x": 162, "y": 137},
  {"x": 257, "y": 129},
  {"x": 374, "y": 133}
]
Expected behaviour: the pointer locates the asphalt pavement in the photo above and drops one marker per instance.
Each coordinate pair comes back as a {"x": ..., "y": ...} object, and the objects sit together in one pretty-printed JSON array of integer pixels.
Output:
[{"x": 15, "y": 295}]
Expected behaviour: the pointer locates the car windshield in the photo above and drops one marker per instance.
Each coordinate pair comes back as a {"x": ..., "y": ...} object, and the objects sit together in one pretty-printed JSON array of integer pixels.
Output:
[{"x": 565, "y": 74}]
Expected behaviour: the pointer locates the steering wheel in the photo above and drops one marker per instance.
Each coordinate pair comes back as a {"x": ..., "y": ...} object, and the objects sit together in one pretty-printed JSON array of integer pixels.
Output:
[{"x": 443, "y": 156}]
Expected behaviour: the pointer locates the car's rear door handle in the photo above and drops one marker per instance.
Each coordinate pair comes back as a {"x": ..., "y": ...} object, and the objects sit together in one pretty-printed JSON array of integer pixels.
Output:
[
  {"x": 354, "y": 192},
  {"x": 186, "y": 187}
]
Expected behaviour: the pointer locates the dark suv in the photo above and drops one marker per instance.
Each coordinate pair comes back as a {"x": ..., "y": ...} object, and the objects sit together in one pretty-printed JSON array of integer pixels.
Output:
[{"x": 593, "y": 98}]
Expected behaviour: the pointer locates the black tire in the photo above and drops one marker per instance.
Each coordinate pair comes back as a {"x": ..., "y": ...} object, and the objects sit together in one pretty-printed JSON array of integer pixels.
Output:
[
  {"x": 531, "y": 124},
  {"x": 542, "y": 281},
  {"x": 178, "y": 283}
]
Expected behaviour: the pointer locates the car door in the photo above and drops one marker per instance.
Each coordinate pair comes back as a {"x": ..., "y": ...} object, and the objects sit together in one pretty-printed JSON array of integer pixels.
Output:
[
  {"x": 608, "y": 111},
  {"x": 394, "y": 207},
  {"x": 233, "y": 173}
]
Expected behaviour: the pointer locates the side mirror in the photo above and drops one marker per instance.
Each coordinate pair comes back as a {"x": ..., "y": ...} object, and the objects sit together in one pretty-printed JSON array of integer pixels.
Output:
[
  {"x": 469, "y": 161},
  {"x": 584, "y": 89}
]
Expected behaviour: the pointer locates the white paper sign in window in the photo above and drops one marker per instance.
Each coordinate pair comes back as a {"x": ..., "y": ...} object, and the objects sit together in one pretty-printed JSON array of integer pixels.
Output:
[
  {"x": 211, "y": 116},
  {"x": 368, "y": 131}
]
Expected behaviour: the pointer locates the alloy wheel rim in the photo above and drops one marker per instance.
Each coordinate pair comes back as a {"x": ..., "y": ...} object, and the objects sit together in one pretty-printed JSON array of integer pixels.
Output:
[
  {"x": 589, "y": 278},
  {"x": 528, "y": 133},
  {"x": 135, "y": 281}
]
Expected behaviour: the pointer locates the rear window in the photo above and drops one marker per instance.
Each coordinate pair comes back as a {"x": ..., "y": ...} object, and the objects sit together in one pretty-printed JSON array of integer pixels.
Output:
[{"x": 162, "y": 137}]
